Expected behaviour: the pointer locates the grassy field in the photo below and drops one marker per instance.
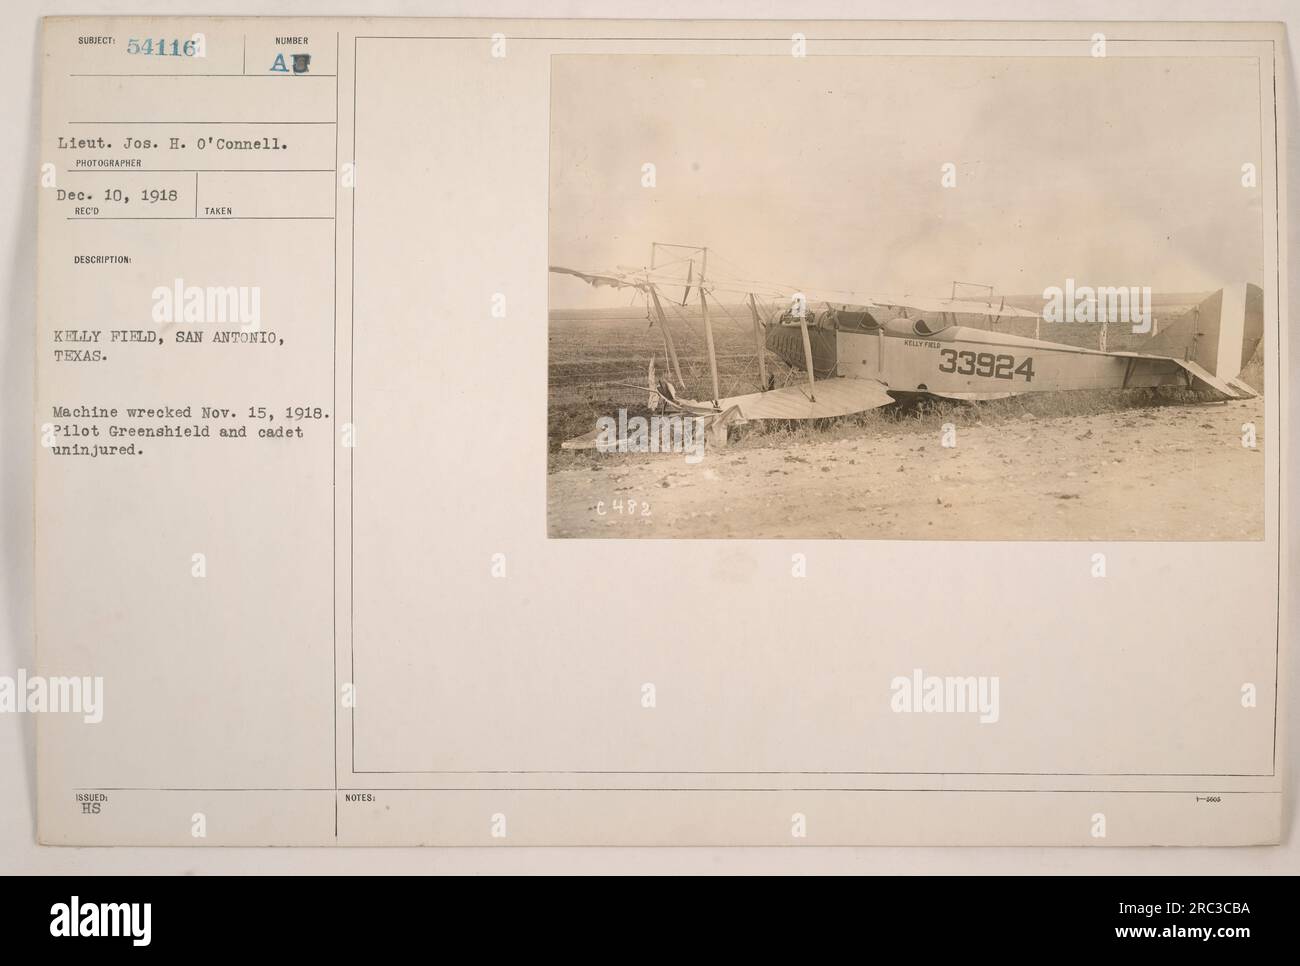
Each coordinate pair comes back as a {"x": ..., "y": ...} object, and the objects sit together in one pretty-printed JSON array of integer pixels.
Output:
[{"x": 589, "y": 351}]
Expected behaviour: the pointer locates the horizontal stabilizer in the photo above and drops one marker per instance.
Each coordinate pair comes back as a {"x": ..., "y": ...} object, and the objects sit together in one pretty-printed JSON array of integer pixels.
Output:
[
  {"x": 1203, "y": 379},
  {"x": 1247, "y": 392}
]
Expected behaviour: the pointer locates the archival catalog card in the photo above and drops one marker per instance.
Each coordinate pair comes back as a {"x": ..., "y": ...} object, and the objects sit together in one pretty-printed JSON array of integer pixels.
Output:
[{"x": 659, "y": 433}]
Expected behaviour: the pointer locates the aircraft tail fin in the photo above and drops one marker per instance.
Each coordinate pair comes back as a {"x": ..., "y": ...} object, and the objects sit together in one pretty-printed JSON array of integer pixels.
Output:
[{"x": 1220, "y": 334}]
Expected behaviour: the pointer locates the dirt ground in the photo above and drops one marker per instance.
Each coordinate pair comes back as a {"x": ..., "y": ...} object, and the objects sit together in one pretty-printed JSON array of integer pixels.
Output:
[{"x": 1175, "y": 472}]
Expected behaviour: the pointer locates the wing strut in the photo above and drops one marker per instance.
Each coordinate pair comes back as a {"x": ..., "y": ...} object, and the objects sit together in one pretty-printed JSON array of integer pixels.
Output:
[
  {"x": 759, "y": 344},
  {"x": 668, "y": 336},
  {"x": 708, "y": 338},
  {"x": 807, "y": 351}
]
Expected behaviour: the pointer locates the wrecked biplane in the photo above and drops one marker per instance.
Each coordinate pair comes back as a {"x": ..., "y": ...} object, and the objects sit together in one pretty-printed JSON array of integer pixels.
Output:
[{"x": 878, "y": 350}]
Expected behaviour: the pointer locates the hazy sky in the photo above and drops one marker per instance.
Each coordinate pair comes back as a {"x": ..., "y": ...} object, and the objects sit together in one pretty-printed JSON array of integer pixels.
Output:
[{"x": 824, "y": 172}]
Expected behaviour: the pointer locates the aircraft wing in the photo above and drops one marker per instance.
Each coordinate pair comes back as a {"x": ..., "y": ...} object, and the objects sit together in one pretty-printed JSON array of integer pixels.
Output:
[
  {"x": 604, "y": 279},
  {"x": 829, "y": 397},
  {"x": 995, "y": 308},
  {"x": 641, "y": 279}
]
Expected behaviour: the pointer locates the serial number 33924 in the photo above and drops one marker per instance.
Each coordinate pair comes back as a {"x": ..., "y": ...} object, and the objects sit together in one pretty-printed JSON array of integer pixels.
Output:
[{"x": 985, "y": 364}]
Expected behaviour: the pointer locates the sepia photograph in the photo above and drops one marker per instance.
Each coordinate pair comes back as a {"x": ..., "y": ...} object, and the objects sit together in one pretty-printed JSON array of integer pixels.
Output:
[
  {"x": 907, "y": 297},
  {"x": 664, "y": 441}
]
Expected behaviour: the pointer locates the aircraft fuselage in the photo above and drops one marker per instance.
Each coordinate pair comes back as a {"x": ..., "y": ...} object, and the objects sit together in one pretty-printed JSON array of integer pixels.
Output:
[{"x": 964, "y": 360}]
